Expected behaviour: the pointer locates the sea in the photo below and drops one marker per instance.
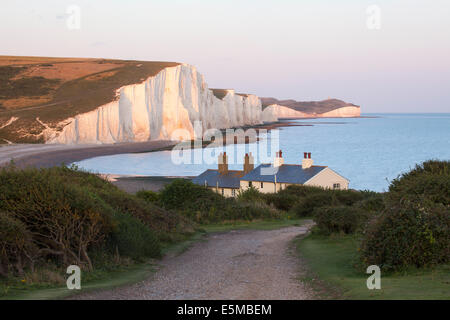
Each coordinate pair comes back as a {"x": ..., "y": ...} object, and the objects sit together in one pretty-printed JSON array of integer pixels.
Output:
[{"x": 370, "y": 151}]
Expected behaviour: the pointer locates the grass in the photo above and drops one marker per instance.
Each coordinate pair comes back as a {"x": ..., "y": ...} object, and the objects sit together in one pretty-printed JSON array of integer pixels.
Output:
[
  {"x": 334, "y": 276},
  {"x": 100, "y": 280}
]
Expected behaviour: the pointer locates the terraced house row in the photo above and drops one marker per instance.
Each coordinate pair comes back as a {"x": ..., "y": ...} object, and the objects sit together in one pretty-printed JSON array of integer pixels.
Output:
[{"x": 269, "y": 178}]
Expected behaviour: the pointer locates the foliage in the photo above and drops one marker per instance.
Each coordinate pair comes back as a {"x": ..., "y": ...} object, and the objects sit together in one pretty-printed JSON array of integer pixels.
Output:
[
  {"x": 428, "y": 182},
  {"x": 203, "y": 205},
  {"x": 305, "y": 206},
  {"x": 373, "y": 203},
  {"x": 133, "y": 239},
  {"x": 408, "y": 235},
  {"x": 414, "y": 228},
  {"x": 301, "y": 200},
  {"x": 251, "y": 194},
  {"x": 339, "y": 219},
  {"x": 62, "y": 214},
  {"x": 149, "y": 196}
]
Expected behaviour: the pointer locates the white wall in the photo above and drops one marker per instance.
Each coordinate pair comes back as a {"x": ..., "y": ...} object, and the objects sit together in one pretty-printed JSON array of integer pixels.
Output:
[{"x": 326, "y": 178}]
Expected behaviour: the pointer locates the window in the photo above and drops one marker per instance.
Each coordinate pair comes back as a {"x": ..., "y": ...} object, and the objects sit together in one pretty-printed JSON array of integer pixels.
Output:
[
  {"x": 233, "y": 192},
  {"x": 336, "y": 185},
  {"x": 223, "y": 191},
  {"x": 262, "y": 185},
  {"x": 250, "y": 184}
]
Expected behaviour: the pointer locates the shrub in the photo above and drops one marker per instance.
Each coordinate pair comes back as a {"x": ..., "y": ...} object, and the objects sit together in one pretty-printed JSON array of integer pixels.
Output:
[
  {"x": 347, "y": 197},
  {"x": 302, "y": 191},
  {"x": 166, "y": 224},
  {"x": 339, "y": 219},
  {"x": 408, "y": 235},
  {"x": 428, "y": 182},
  {"x": 373, "y": 203},
  {"x": 182, "y": 192},
  {"x": 203, "y": 205},
  {"x": 15, "y": 245},
  {"x": 250, "y": 195},
  {"x": 60, "y": 215},
  {"x": 64, "y": 219},
  {"x": 149, "y": 196},
  {"x": 306, "y": 205},
  {"x": 414, "y": 228},
  {"x": 131, "y": 238},
  {"x": 281, "y": 200}
]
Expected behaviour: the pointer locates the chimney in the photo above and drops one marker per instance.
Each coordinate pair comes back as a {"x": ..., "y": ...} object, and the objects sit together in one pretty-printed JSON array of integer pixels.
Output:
[
  {"x": 223, "y": 163},
  {"x": 279, "y": 161},
  {"x": 249, "y": 163},
  {"x": 307, "y": 162}
]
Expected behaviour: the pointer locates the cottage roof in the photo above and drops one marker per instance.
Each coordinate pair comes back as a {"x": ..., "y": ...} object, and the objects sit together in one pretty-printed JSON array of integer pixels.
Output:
[{"x": 286, "y": 173}]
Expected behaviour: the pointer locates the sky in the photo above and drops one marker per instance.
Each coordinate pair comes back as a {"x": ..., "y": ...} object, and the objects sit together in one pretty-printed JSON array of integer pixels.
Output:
[{"x": 385, "y": 55}]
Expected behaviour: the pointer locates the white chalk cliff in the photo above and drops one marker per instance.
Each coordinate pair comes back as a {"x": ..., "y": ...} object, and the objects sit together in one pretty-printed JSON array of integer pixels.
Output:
[
  {"x": 173, "y": 99},
  {"x": 167, "y": 106},
  {"x": 274, "y": 112}
]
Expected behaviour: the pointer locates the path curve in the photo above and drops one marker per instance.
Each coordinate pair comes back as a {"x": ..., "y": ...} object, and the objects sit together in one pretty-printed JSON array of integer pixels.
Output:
[{"x": 244, "y": 264}]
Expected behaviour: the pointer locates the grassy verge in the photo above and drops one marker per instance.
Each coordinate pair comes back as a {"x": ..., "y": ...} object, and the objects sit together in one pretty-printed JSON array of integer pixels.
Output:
[
  {"x": 127, "y": 275},
  {"x": 100, "y": 280},
  {"x": 332, "y": 260}
]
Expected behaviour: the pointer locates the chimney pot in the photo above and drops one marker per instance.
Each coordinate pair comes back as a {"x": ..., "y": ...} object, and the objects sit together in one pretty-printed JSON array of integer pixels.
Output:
[
  {"x": 281, "y": 154},
  {"x": 309, "y": 155}
]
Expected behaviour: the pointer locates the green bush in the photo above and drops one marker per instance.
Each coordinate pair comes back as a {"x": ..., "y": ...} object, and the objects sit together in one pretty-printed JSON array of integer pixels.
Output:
[
  {"x": 305, "y": 206},
  {"x": 168, "y": 225},
  {"x": 281, "y": 200},
  {"x": 339, "y": 219},
  {"x": 347, "y": 197},
  {"x": 131, "y": 238},
  {"x": 64, "y": 214},
  {"x": 64, "y": 219},
  {"x": 301, "y": 190},
  {"x": 15, "y": 245},
  {"x": 373, "y": 203},
  {"x": 203, "y": 205},
  {"x": 414, "y": 228},
  {"x": 250, "y": 195},
  {"x": 149, "y": 196},
  {"x": 182, "y": 192},
  {"x": 427, "y": 182},
  {"x": 408, "y": 235}
]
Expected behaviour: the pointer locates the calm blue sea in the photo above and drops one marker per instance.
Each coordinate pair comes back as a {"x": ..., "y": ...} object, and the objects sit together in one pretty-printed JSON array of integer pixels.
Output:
[{"x": 369, "y": 151}]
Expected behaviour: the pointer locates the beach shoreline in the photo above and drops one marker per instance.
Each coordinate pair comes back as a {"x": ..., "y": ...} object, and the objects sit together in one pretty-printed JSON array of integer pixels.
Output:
[{"x": 50, "y": 155}]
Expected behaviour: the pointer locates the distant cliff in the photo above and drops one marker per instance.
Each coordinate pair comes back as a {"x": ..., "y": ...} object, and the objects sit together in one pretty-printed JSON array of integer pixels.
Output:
[
  {"x": 332, "y": 108},
  {"x": 97, "y": 101}
]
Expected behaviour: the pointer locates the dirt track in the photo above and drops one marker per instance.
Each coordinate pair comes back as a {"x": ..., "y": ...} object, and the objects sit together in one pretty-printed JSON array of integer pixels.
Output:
[{"x": 245, "y": 264}]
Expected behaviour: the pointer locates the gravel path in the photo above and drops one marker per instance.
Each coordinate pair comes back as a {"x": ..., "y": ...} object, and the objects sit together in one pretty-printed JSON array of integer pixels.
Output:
[{"x": 244, "y": 264}]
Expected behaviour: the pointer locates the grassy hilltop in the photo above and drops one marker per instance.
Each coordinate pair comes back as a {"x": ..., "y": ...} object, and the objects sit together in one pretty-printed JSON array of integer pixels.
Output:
[{"x": 54, "y": 89}]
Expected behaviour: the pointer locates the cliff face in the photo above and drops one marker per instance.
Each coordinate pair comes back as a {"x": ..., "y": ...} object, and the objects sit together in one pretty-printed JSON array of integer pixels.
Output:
[
  {"x": 344, "y": 112},
  {"x": 333, "y": 108},
  {"x": 173, "y": 99},
  {"x": 274, "y": 112}
]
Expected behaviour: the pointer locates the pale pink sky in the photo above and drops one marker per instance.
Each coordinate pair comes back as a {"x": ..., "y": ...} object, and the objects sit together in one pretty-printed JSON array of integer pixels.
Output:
[{"x": 305, "y": 50}]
